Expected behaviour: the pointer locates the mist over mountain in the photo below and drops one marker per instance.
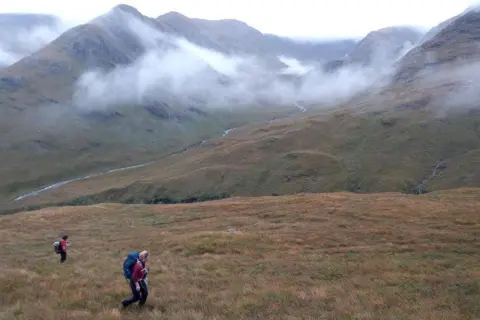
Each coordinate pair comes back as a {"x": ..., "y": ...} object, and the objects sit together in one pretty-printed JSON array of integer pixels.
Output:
[
  {"x": 455, "y": 42},
  {"x": 237, "y": 73},
  {"x": 385, "y": 45},
  {"x": 379, "y": 49},
  {"x": 126, "y": 87},
  {"x": 174, "y": 59},
  {"x": 233, "y": 36},
  {"x": 22, "y": 34}
]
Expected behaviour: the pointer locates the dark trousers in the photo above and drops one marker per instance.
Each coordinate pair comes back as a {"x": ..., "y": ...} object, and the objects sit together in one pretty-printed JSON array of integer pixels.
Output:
[
  {"x": 63, "y": 257},
  {"x": 140, "y": 296}
]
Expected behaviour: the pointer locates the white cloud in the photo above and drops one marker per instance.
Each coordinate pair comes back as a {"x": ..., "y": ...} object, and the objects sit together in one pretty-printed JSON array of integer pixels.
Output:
[
  {"x": 23, "y": 42},
  {"x": 221, "y": 63},
  {"x": 295, "y": 66},
  {"x": 176, "y": 67}
]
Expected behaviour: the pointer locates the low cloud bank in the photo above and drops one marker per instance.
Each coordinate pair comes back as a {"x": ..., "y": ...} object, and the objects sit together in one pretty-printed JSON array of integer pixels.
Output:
[
  {"x": 17, "y": 42},
  {"x": 174, "y": 68},
  {"x": 458, "y": 86}
]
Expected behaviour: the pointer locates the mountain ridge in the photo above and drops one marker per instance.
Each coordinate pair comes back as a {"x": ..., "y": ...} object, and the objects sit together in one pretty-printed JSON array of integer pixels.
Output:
[
  {"x": 157, "y": 127},
  {"x": 455, "y": 42}
]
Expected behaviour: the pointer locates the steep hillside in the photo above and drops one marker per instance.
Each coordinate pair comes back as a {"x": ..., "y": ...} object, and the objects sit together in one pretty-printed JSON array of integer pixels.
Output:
[
  {"x": 435, "y": 30},
  {"x": 410, "y": 148},
  {"x": 380, "y": 48},
  {"x": 338, "y": 256},
  {"x": 385, "y": 45},
  {"x": 457, "y": 42}
]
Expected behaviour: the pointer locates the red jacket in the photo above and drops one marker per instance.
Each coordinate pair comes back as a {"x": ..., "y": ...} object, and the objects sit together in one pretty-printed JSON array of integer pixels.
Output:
[
  {"x": 139, "y": 271},
  {"x": 63, "y": 245}
]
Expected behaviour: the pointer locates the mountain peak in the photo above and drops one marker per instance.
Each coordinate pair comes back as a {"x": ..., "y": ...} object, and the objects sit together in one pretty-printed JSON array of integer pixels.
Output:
[
  {"x": 126, "y": 8},
  {"x": 119, "y": 11},
  {"x": 172, "y": 15},
  {"x": 402, "y": 33},
  {"x": 117, "y": 19},
  {"x": 384, "y": 45},
  {"x": 178, "y": 18}
]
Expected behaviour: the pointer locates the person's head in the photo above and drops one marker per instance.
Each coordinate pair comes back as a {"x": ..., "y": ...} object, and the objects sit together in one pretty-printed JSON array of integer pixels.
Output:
[
  {"x": 65, "y": 237},
  {"x": 143, "y": 256}
]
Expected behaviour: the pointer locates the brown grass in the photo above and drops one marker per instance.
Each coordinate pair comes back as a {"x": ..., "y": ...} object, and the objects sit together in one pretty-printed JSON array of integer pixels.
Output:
[{"x": 330, "y": 256}]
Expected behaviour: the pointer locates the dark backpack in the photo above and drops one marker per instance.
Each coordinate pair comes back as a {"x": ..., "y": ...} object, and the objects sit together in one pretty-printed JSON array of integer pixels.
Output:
[
  {"x": 57, "y": 247},
  {"x": 128, "y": 264}
]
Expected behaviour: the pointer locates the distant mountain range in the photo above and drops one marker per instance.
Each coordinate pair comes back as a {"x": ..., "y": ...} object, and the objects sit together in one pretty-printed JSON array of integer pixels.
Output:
[
  {"x": 126, "y": 88},
  {"x": 123, "y": 35}
]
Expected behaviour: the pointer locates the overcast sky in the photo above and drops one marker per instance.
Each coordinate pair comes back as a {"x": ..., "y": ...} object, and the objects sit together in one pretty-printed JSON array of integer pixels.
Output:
[{"x": 304, "y": 18}]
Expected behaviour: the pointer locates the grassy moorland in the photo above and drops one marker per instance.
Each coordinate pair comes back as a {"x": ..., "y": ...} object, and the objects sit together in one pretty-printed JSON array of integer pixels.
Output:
[
  {"x": 342, "y": 150},
  {"x": 44, "y": 146},
  {"x": 325, "y": 256}
]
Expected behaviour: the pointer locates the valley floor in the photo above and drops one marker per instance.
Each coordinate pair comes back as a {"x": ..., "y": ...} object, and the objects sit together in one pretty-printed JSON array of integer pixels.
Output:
[{"x": 325, "y": 256}]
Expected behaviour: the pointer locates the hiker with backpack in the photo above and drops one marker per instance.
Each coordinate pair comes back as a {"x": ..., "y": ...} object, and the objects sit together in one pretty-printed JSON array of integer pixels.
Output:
[
  {"x": 135, "y": 271},
  {"x": 61, "y": 248}
]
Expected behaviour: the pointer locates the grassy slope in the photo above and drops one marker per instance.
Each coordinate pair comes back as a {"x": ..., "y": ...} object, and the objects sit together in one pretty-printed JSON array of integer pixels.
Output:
[
  {"x": 68, "y": 147},
  {"x": 347, "y": 150},
  {"x": 341, "y": 256}
]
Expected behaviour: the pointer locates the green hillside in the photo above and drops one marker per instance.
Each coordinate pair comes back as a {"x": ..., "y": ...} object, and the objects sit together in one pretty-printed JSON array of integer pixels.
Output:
[{"x": 346, "y": 150}]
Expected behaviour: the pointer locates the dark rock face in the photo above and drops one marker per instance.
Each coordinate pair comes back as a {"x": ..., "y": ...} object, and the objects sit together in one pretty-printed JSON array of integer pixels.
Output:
[
  {"x": 102, "y": 116},
  {"x": 10, "y": 83},
  {"x": 59, "y": 67},
  {"x": 159, "y": 109},
  {"x": 197, "y": 111},
  {"x": 94, "y": 48}
]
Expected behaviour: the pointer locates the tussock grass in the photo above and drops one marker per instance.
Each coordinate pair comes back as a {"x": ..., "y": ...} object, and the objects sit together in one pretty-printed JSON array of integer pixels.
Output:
[{"x": 330, "y": 256}]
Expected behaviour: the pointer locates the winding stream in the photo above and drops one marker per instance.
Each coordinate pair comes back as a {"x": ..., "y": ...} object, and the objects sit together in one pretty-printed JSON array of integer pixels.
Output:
[
  {"x": 434, "y": 173},
  {"x": 62, "y": 183}
]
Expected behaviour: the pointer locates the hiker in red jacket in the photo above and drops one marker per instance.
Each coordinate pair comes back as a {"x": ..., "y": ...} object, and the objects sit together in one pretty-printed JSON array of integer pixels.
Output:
[
  {"x": 138, "y": 282},
  {"x": 63, "y": 249}
]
